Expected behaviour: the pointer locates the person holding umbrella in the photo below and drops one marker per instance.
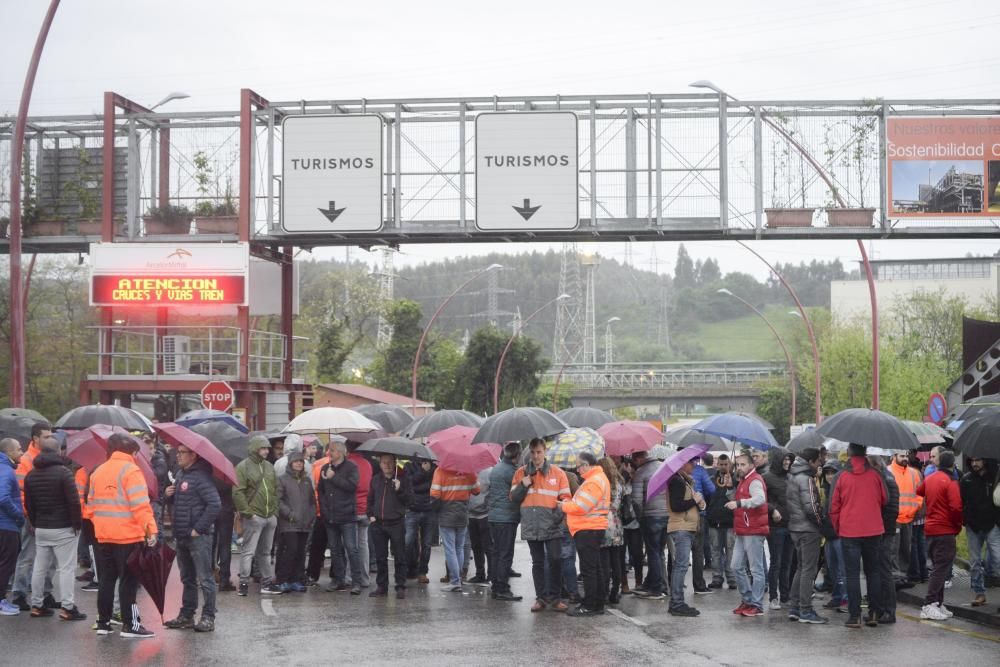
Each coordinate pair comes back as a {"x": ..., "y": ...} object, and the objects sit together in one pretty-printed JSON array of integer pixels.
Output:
[
  {"x": 684, "y": 505},
  {"x": 196, "y": 504},
  {"x": 388, "y": 497},
  {"x": 587, "y": 518},
  {"x": 504, "y": 515},
  {"x": 123, "y": 520},
  {"x": 452, "y": 491},
  {"x": 338, "y": 487}
]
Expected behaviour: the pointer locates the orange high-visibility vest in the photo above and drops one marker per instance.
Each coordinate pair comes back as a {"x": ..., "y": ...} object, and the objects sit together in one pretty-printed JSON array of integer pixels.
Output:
[
  {"x": 547, "y": 488},
  {"x": 907, "y": 479},
  {"x": 590, "y": 505},
  {"x": 80, "y": 477},
  {"x": 451, "y": 486},
  {"x": 119, "y": 502},
  {"x": 26, "y": 465},
  {"x": 316, "y": 469}
]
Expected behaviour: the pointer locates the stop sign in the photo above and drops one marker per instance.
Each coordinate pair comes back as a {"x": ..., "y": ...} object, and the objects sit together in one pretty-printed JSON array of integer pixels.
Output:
[{"x": 218, "y": 395}]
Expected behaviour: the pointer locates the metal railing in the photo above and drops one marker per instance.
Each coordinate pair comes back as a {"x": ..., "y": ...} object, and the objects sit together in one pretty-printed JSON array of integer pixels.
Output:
[
  {"x": 672, "y": 375},
  {"x": 179, "y": 352}
]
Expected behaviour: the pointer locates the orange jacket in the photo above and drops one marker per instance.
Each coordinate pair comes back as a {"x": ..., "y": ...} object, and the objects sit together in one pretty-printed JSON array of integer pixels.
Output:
[
  {"x": 26, "y": 465},
  {"x": 119, "y": 502},
  {"x": 589, "y": 508},
  {"x": 317, "y": 467},
  {"x": 907, "y": 479},
  {"x": 81, "y": 477},
  {"x": 451, "y": 486}
]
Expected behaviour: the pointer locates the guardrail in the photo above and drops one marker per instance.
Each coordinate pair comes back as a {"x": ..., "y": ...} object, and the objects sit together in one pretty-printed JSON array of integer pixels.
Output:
[{"x": 667, "y": 375}]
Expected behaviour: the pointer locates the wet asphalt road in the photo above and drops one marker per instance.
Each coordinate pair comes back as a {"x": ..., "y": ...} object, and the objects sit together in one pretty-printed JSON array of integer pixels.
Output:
[{"x": 432, "y": 627}]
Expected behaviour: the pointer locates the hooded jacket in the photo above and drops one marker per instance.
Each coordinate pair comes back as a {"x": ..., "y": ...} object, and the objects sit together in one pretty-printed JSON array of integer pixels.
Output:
[
  {"x": 50, "y": 496},
  {"x": 776, "y": 479},
  {"x": 338, "y": 495},
  {"x": 501, "y": 508},
  {"x": 11, "y": 511},
  {"x": 978, "y": 511},
  {"x": 802, "y": 498},
  {"x": 196, "y": 500},
  {"x": 256, "y": 490},
  {"x": 655, "y": 506},
  {"x": 386, "y": 504},
  {"x": 293, "y": 443},
  {"x": 858, "y": 496},
  {"x": 296, "y": 499},
  {"x": 420, "y": 483}
]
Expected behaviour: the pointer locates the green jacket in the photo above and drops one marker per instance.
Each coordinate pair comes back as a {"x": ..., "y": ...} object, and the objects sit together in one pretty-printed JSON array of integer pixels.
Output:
[{"x": 256, "y": 490}]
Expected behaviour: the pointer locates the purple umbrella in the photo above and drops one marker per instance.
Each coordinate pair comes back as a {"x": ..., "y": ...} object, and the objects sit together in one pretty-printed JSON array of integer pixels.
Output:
[{"x": 658, "y": 482}]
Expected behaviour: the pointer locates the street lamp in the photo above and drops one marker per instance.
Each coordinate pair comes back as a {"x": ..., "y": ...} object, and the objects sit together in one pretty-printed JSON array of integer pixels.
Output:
[
  {"x": 788, "y": 357},
  {"x": 609, "y": 343},
  {"x": 506, "y": 348},
  {"x": 822, "y": 173},
  {"x": 423, "y": 335},
  {"x": 170, "y": 97}
]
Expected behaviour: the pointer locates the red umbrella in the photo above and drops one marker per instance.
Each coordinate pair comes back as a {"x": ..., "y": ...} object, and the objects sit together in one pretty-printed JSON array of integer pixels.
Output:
[
  {"x": 455, "y": 451},
  {"x": 177, "y": 435},
  {"x": 625, "y": 437},
  {"x": 151, "y": 566},
  {"x": 89, "y": 448}
]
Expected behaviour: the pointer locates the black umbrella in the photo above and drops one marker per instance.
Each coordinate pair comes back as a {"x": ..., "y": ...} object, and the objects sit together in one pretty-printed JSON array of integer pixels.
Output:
[
  {"x": 17, "y": 422},
  {"x": 519, "y": 424},
  {"x": 585, "y": 417},
  {"x": 227, "y": 439},
  {"x": 871, "y": 428},
  {"x": 972, "y": 407},
  {"x": 685, "y": 435},
  {"x": 979, "y": 437},
  {"x": 397, "y": 446},
  {"x": 86, "y": 416},
  {"x": 391, "y": 417},
  {"x": 808, "y": 439},
  {"x": 439, "y": 421}
]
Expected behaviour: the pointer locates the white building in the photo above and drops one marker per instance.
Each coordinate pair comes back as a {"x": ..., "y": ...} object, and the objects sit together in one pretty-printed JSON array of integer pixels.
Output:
[{"x": 976, "y": 279}]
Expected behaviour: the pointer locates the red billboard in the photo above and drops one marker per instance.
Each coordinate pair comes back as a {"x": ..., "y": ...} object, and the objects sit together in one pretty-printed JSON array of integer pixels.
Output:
[{"x": 166, "y": 290}]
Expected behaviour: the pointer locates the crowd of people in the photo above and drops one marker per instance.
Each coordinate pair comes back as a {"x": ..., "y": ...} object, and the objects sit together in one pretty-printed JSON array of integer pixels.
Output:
[{"x": 775, "y": 526}]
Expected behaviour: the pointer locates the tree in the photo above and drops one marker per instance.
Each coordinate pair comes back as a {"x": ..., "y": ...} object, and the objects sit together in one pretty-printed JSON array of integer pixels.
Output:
[
  {"x": 709, "y": 273},
  {"x": 684, "y": 275},
  {"x": 392, "y": 369},
  {"x": 330, "y": 352},
  {"x": 776, "y": 405},
  {"x": 928, "y": 324},
  {"x": 519, "y": 380}
]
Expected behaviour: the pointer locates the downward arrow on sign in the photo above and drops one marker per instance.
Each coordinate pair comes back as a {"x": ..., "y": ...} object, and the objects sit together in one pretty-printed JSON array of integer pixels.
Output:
[
  {"x": 527, "y": 210},
  {"x": 333, "y": 212}
]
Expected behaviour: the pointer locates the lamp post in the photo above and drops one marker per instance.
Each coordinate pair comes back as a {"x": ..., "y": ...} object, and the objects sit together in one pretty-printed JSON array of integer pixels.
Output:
[
  {"x": 609, "y": 343},
  {"x": 170, "y": 97},
  {"x": 423, "y": 335},
  {"x": 788, "y": 357},
  {"x": 510, "y": 342},
  {"x": 821, "y": 172}
]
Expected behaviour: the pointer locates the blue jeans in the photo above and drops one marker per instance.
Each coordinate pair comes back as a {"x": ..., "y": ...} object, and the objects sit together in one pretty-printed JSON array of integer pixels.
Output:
[
  {"x": 918, "y": 554},
  {"x": 780, "y": 548},
  {"x": 834, "y": 550},
  {"x": 194, "y": 557},
  {"x": 654, "y": 535},
  {"x": 991, "y": 540},
  {"x": 568, "y": 556},
  {"x": 749, "y": 550},
  {"x": 682, "y": 542},
  {"x": 341, "y": 537},
  {"x": 420, "y": 524},
  {"x": 858, "y": 550},
  {"x": 453, "y": 539}
]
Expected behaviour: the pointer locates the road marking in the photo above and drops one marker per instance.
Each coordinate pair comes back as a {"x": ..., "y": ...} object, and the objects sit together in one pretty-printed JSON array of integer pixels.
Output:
[
  {"x": 961, "y": 631},
  {"x": 623, "y": 615},
  {"x": 267, "y": 606}
]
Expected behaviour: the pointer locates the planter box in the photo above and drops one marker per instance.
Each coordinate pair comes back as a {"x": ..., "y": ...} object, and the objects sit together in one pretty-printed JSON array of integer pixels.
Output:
[
  {"x": 156, "y": 226},
  {"x": 217, "y": 224},
  {"x": 789, "y": 217},
  {"x": 849, "y": 217},
  {"x": 46, "y": 228},
  {"x": 88, "y": 227}
]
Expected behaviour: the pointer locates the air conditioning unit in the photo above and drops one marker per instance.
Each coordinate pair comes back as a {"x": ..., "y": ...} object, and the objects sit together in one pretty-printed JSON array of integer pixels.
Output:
[{"x": 176, "y": 355}]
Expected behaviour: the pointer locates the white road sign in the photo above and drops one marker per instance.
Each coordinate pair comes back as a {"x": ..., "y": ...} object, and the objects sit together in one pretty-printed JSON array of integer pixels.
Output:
[
  {"x": 332, "y": 174},
  {"x": 527, "y": 171}
]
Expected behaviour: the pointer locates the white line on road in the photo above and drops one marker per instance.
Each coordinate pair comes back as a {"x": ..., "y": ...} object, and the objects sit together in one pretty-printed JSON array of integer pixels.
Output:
[
  {"x": 268, "y": 608},
  {"x": 623, "y": 615}
]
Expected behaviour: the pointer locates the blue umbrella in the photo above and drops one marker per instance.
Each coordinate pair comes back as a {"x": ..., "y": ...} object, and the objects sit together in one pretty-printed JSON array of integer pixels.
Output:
[
  {"x": 193, "y": 417},
  {"x": 738, "y": 427}
]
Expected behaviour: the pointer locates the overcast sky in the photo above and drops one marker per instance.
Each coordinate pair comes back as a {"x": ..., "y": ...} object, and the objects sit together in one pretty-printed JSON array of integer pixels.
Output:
[{"x": 299, "y": 49}]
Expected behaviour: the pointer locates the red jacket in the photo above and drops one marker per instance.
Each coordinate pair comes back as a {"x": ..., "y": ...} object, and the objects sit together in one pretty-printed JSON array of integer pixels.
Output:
[
  {"x": 859, "y": 494},
  {"x": 364, "y": 481},
  {"x": 944, "y": 504}
]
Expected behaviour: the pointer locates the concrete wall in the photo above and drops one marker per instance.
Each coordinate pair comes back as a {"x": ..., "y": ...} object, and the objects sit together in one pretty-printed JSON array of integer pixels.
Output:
[{"x": 849, "y": 298}]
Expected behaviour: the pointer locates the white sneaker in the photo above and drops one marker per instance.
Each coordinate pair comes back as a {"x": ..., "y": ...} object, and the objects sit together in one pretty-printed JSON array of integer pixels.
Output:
[
  {"x": 932, "y": 612},
  {"x": 775, "y": 604},
  {"x": 944, "y": 610},
  {"x": 947, "y": 583}
]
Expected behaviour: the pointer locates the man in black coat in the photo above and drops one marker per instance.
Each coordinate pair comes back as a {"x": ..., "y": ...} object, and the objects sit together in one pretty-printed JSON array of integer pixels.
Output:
[
  {"x": 52, "y": 505},
  {"x": 388, "y": 497},
  {"x": 196, "y": 505},
  {"x": 338, "y": 485},
  {"x": 421, "y": 520}
]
